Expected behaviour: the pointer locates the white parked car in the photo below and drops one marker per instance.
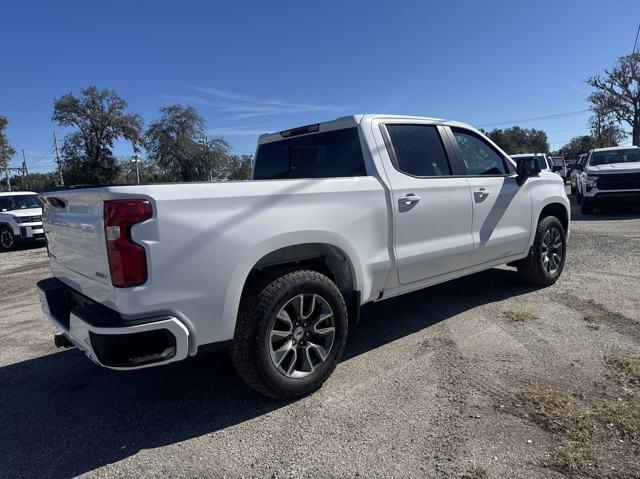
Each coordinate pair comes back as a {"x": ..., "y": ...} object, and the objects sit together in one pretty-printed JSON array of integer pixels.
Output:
[
  {"x": 20, "y": 218},
  {"x": 576, "y": 170},
  {"x": 338, "y": 214},
  {"x": 609, "y": 176},
  {"x": 559, "y": 166}
]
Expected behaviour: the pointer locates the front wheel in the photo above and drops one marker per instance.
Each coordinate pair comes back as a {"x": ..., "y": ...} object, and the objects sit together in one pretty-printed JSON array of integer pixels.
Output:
[
  {"x": 7, "y": 241},
  {"x": 586, "y": 208},
  {"x": 290, "y": 333},
  {"x": 546, "y": 262}
]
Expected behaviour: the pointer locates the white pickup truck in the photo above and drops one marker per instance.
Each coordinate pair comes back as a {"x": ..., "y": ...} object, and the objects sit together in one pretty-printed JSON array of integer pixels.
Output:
[
  {"x": 608, "y": 176},
  {"x": 338, "y": 214}
]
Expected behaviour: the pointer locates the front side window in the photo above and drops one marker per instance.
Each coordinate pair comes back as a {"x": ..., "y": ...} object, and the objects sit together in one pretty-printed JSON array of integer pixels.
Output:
[
  {"x": 321, "y": 155},
  {"x": 418, "y": 150},
  {"x": 19, "y": 202},
  {"x": 478, "y": 156}
]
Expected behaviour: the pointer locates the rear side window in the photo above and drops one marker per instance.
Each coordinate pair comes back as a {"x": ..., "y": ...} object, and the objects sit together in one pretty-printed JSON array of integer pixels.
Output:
[
  {"x": 322, "y": 155},
  {"x": 478, "y": 156},
  {"x": 418, "y": 150}
]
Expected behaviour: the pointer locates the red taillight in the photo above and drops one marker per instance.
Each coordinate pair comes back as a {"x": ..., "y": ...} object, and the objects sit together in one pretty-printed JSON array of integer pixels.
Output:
[{"x": 127, "y": 260}]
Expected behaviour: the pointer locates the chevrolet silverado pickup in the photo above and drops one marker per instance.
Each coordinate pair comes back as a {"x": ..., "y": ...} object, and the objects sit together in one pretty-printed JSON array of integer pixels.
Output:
[
  {"x": 337, "y": 214},
  {"x": 608, "y": 176}
]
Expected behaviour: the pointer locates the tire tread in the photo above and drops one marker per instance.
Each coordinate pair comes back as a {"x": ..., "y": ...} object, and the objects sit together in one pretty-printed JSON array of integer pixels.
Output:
[{"x": 256, "y": 302}]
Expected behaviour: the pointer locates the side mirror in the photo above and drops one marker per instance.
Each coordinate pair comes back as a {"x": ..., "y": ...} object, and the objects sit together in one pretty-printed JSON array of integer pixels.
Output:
[
  {"x": 526, "y": 168},
  {"x": 556, "y": 168}
]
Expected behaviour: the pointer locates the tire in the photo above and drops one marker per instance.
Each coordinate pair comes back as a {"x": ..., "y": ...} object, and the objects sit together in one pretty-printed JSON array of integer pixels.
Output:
[
  {"x": 267, "y": 323},
  {"x": 535, "y": 270},
  {"x": 587, "y": 207},
  {"x": 7, "y": 240}
]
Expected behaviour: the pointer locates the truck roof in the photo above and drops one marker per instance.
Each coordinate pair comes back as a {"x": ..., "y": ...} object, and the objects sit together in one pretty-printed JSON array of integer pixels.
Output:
[
  {"x": 345, "y": 122},
  {"x": 15, "y": 193},
  {"x": 522, "y": 155},
  {"x": 614, "y": 148}
]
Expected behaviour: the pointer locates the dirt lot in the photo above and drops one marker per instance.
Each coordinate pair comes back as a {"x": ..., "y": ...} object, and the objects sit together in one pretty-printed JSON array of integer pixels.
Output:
[{"x": 429, "y": 386}]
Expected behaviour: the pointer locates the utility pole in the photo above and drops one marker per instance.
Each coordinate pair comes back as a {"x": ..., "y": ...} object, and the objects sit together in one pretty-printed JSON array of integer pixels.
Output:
[
  {"x": 24, "y": 171},
  {"x": 55, "y": 143},
  {"x": 6, "y": 175},
  {"x": 136, "y": 160}
]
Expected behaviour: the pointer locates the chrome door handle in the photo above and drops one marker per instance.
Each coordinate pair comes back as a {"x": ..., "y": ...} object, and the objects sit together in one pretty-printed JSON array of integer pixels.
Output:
[
  {"x": 410, "y": 199},
  {"x": 482, "y": 193}
]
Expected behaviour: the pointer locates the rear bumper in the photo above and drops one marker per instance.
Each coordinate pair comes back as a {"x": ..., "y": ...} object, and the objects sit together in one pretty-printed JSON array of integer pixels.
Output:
[{"x": 108, "y": 339}]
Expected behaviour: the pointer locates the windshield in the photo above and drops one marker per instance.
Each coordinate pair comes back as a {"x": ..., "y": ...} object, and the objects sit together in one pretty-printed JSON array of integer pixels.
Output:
[
  {"x": 615, "y": 156},
  {"x": 19, "y": 202}
]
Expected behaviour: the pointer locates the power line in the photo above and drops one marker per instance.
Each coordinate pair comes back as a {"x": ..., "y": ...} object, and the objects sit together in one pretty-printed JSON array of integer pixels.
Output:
[
  {"x": 636, "y": 42},
  {"x": 536, "y": 118}
]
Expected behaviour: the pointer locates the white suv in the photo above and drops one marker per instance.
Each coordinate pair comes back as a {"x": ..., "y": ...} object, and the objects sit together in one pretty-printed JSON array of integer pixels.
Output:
[
  {"x": 20, "y": 218},
  {"x": 609, "y": 176}
]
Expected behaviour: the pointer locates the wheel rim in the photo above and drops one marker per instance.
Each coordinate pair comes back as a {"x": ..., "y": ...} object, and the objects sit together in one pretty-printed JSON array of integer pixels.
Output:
[
  {"x": 552, "y": 250},
  {"x": 6, "y": 238},
  {"x": 302, "y": 335}
]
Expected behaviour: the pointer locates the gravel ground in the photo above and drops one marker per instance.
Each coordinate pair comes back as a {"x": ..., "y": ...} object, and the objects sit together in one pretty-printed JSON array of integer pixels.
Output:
[{"x": 422, "y": 391}]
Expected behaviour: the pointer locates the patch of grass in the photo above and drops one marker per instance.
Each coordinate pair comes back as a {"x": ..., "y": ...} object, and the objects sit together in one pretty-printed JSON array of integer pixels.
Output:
[
  {"x": 598, "y": 438},
  {"x": 626, "y": 369},
  {"x": 475, "y": 471},
  {"x": 594, "y": 320},
  {"x": 519, "y": 315}
]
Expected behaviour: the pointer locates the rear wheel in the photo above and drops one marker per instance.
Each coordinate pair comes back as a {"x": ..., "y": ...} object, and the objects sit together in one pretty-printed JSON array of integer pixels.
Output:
[
  {"x": 7, "y": 241},
  {"x": 546, "y": 262},
  {"x": 290, "y": 333}
]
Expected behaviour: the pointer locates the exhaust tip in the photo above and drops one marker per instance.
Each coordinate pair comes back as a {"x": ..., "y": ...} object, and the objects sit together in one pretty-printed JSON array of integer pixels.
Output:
[{"x": 61, "y": 341}]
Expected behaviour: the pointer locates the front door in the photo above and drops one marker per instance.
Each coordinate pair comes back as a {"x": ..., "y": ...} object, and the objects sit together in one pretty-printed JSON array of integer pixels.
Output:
[{"x": 501, "y": 208}]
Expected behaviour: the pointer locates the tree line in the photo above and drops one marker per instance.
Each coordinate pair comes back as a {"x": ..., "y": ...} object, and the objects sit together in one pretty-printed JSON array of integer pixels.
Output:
[{"x": 179, "y": 147}]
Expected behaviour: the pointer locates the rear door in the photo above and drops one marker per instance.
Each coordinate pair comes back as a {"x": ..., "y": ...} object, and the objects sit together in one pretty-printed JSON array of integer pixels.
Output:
[
  {"x": 431, "y": 206},
  {"x": 501, "y": 208}
]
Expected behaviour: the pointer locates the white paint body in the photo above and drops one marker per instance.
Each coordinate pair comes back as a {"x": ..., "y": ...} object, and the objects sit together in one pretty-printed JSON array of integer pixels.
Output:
[{"x": 205, "y": 238}]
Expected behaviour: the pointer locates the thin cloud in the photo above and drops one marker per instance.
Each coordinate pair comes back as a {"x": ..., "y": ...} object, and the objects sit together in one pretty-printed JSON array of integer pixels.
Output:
[
  {"x": 245, "y": 106},
  {"x": 248, "y": 130}
]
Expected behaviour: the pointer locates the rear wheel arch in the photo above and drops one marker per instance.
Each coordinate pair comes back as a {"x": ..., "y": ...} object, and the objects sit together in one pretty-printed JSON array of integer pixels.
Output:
[{"x": 324, "y": 258}]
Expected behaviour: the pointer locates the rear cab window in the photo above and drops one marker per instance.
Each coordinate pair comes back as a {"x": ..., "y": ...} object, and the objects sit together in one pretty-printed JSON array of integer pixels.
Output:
[{"x": 328, "y": 154}]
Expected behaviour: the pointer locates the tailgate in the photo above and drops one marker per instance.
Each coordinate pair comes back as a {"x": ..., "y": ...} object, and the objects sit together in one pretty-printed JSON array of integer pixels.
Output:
[{"x": 73, "y": 225}]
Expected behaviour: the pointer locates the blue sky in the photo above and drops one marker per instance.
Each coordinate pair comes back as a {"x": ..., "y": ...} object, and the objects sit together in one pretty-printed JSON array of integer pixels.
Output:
[{"x": 251, "y": 67}]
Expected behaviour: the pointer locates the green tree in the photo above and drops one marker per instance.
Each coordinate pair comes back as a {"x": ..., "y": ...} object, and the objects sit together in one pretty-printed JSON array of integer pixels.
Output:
[
  {"x": 6, "y": 151},
  {"x": 576, "y": 146},
  {"x": 179, "y": 145},
  {"x": 617, "y": 93},
  {"x": 605, "y": 130},
  {"x": 240, "y": 167},
  {"x": 101, "y": 118},
  {"x": 520, "y": 140}
]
